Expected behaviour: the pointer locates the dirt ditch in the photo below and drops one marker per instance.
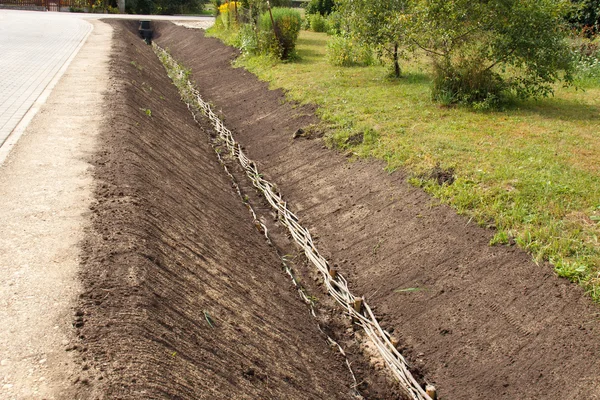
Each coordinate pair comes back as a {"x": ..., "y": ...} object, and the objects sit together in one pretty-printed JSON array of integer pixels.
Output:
[
  {"x": 183, "y": 297},
  {"x": 478, "y": 321}
]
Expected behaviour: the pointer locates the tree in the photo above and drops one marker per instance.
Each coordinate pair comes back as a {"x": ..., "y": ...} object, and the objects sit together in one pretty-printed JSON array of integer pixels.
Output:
[
  {"x": 379, "y": 24},
  {"x": 585, "y": 16},
  {"x": 323, "y": 7},
  {"x": 164, "y": 7},
  {"x": 485, "y": 48}
]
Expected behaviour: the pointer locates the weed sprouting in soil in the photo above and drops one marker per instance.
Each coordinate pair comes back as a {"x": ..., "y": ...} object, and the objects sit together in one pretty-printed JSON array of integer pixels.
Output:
[{"x": 137, "y": 66}]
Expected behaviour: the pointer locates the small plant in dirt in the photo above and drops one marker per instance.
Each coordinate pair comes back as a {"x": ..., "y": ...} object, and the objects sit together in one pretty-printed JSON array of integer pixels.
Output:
[
  {"x": 147, "y": 111},
  {"x": 137, "y": 66}
]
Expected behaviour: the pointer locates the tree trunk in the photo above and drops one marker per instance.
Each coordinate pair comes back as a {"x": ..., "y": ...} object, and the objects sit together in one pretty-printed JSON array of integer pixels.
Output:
[{"x": 396, "y": 64}]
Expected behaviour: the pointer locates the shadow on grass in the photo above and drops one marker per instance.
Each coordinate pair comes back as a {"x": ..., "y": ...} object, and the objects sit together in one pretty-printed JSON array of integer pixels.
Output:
[
  {"x": 307, "y": 56},
  {"x": 558, "y": 109},
  {"x": 415, "y": 78},
  {"x": 303, "y": 41}
]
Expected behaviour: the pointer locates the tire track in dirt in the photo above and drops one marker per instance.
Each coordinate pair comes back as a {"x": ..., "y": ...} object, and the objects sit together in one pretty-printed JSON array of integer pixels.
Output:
[{"x": 466, "y": 328}]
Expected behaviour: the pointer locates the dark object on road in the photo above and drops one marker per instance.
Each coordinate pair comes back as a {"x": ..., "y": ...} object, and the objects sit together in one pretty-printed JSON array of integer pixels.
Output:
[{"x": 146, "y": 31}]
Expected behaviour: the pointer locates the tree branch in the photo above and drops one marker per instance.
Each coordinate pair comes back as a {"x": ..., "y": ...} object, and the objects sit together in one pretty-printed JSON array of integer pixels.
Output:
[
  {"x": 427, "y": 50},
  {"x": 502, "y": 59}
]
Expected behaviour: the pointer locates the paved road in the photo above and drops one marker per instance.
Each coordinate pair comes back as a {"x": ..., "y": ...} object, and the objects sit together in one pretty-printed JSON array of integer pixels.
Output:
[{"x": 34, "y": 47}]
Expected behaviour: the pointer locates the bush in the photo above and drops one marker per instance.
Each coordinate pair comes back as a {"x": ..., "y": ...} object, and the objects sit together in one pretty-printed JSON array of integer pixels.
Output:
[
  {"x": 287, "y": 27},
  {"x": 318, "y": 23},
  {"x": 585, "y": 16},
  {"x": 334, "y": 23},
  {"x": 479, "y": 57},
  {"x": 247, "y": 40},
  {"x": 467, "y": 84},
  {"x": 343, "y": 52},
  {"x": 323, "y": 7},
  {"x": 216, "y": 4}
]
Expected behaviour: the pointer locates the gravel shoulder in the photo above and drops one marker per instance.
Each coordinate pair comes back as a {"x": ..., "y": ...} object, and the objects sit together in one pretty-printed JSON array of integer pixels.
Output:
[{"x": 45, "y": 193}]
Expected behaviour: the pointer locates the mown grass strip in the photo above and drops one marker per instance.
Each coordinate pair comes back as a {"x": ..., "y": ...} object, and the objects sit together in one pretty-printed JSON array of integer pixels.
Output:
[{"x": 532, "y": 172}]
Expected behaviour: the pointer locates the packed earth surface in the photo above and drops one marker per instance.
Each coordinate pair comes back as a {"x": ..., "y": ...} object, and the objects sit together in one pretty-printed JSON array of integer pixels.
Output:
[{"x": 182, "y": 297}]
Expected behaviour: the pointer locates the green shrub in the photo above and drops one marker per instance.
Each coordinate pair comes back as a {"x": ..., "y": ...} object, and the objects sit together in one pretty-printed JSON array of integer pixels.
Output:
[
  {"x": 344, "y": 52},
  {"x": 323, "y": 7},
  {"x": 334, "y": 23},
  {"x": 247, "y": 40},
  {"x": 480, "y": 57},
  {"x": 216, "y": 4},
  {"x": 467, "y": 84},
  {"x": 306, "y": 22},
  {"x": 287, "y": 27},
  {"x": 585, "y": 16},
  {"x": 318, "y": 23},
  {"x": 251, "y": 40}
]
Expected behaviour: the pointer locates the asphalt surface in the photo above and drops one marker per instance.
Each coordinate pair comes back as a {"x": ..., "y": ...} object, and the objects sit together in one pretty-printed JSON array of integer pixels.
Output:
[{"x": 36, "y": 48}]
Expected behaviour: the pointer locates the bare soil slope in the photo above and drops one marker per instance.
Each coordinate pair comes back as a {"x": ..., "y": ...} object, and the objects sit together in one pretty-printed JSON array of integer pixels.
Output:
[
  {"x": 488, "y": 322},
  {"x": 183, "y": 298}
]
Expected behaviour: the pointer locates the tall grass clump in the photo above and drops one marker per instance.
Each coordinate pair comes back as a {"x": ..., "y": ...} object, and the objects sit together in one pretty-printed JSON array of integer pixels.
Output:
[
  {"x": 342, "y": 51},
  {"x": 586, "y": 51},
  {"x": 318, "y": 23}
]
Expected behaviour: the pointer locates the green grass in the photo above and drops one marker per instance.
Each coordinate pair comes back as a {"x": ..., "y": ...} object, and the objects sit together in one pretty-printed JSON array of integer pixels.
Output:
[{"x": 532, "y": 172}]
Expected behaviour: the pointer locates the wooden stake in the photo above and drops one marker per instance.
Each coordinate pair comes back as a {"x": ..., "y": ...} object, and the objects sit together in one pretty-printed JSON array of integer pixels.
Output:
[
  {"x": 273, "y": 22},
  {"x": 430, "y": 390},
  {"x": 358, "y": 304},
  {"x": 333, "y": 273}
]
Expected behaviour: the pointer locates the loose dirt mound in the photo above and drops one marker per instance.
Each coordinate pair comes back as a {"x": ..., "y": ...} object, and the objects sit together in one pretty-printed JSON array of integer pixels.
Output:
[
  {"x": 480, "y": 321},
  {"x": 183, "y": 297}
]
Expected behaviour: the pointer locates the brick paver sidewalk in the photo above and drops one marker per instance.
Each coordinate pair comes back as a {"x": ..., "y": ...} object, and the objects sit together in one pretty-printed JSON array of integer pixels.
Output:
[{"x": 33, "y": 48}]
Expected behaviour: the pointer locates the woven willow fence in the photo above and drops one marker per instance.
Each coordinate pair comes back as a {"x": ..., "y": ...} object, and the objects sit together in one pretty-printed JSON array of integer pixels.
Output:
[{"x": 337, "y": 286}]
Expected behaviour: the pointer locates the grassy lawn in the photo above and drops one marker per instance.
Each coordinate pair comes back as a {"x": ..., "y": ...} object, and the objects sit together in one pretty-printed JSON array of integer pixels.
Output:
[{"x": 532, "y": 172}]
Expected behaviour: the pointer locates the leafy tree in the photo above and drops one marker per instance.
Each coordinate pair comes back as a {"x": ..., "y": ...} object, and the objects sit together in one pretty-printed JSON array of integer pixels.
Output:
[
  {"x": 585, "y": 16},
  {"x": 483, "y": 49},
  {"x": 164, "y": 7},
  {"x": 379, "y": 24},
  {"x": 323, "y": 7}
]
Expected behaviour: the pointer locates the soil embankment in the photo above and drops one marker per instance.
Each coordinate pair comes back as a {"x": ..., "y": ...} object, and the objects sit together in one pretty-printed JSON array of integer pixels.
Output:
[
  {"x": 486, "y": 321},
  {"x": 183, "y": 298}
]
